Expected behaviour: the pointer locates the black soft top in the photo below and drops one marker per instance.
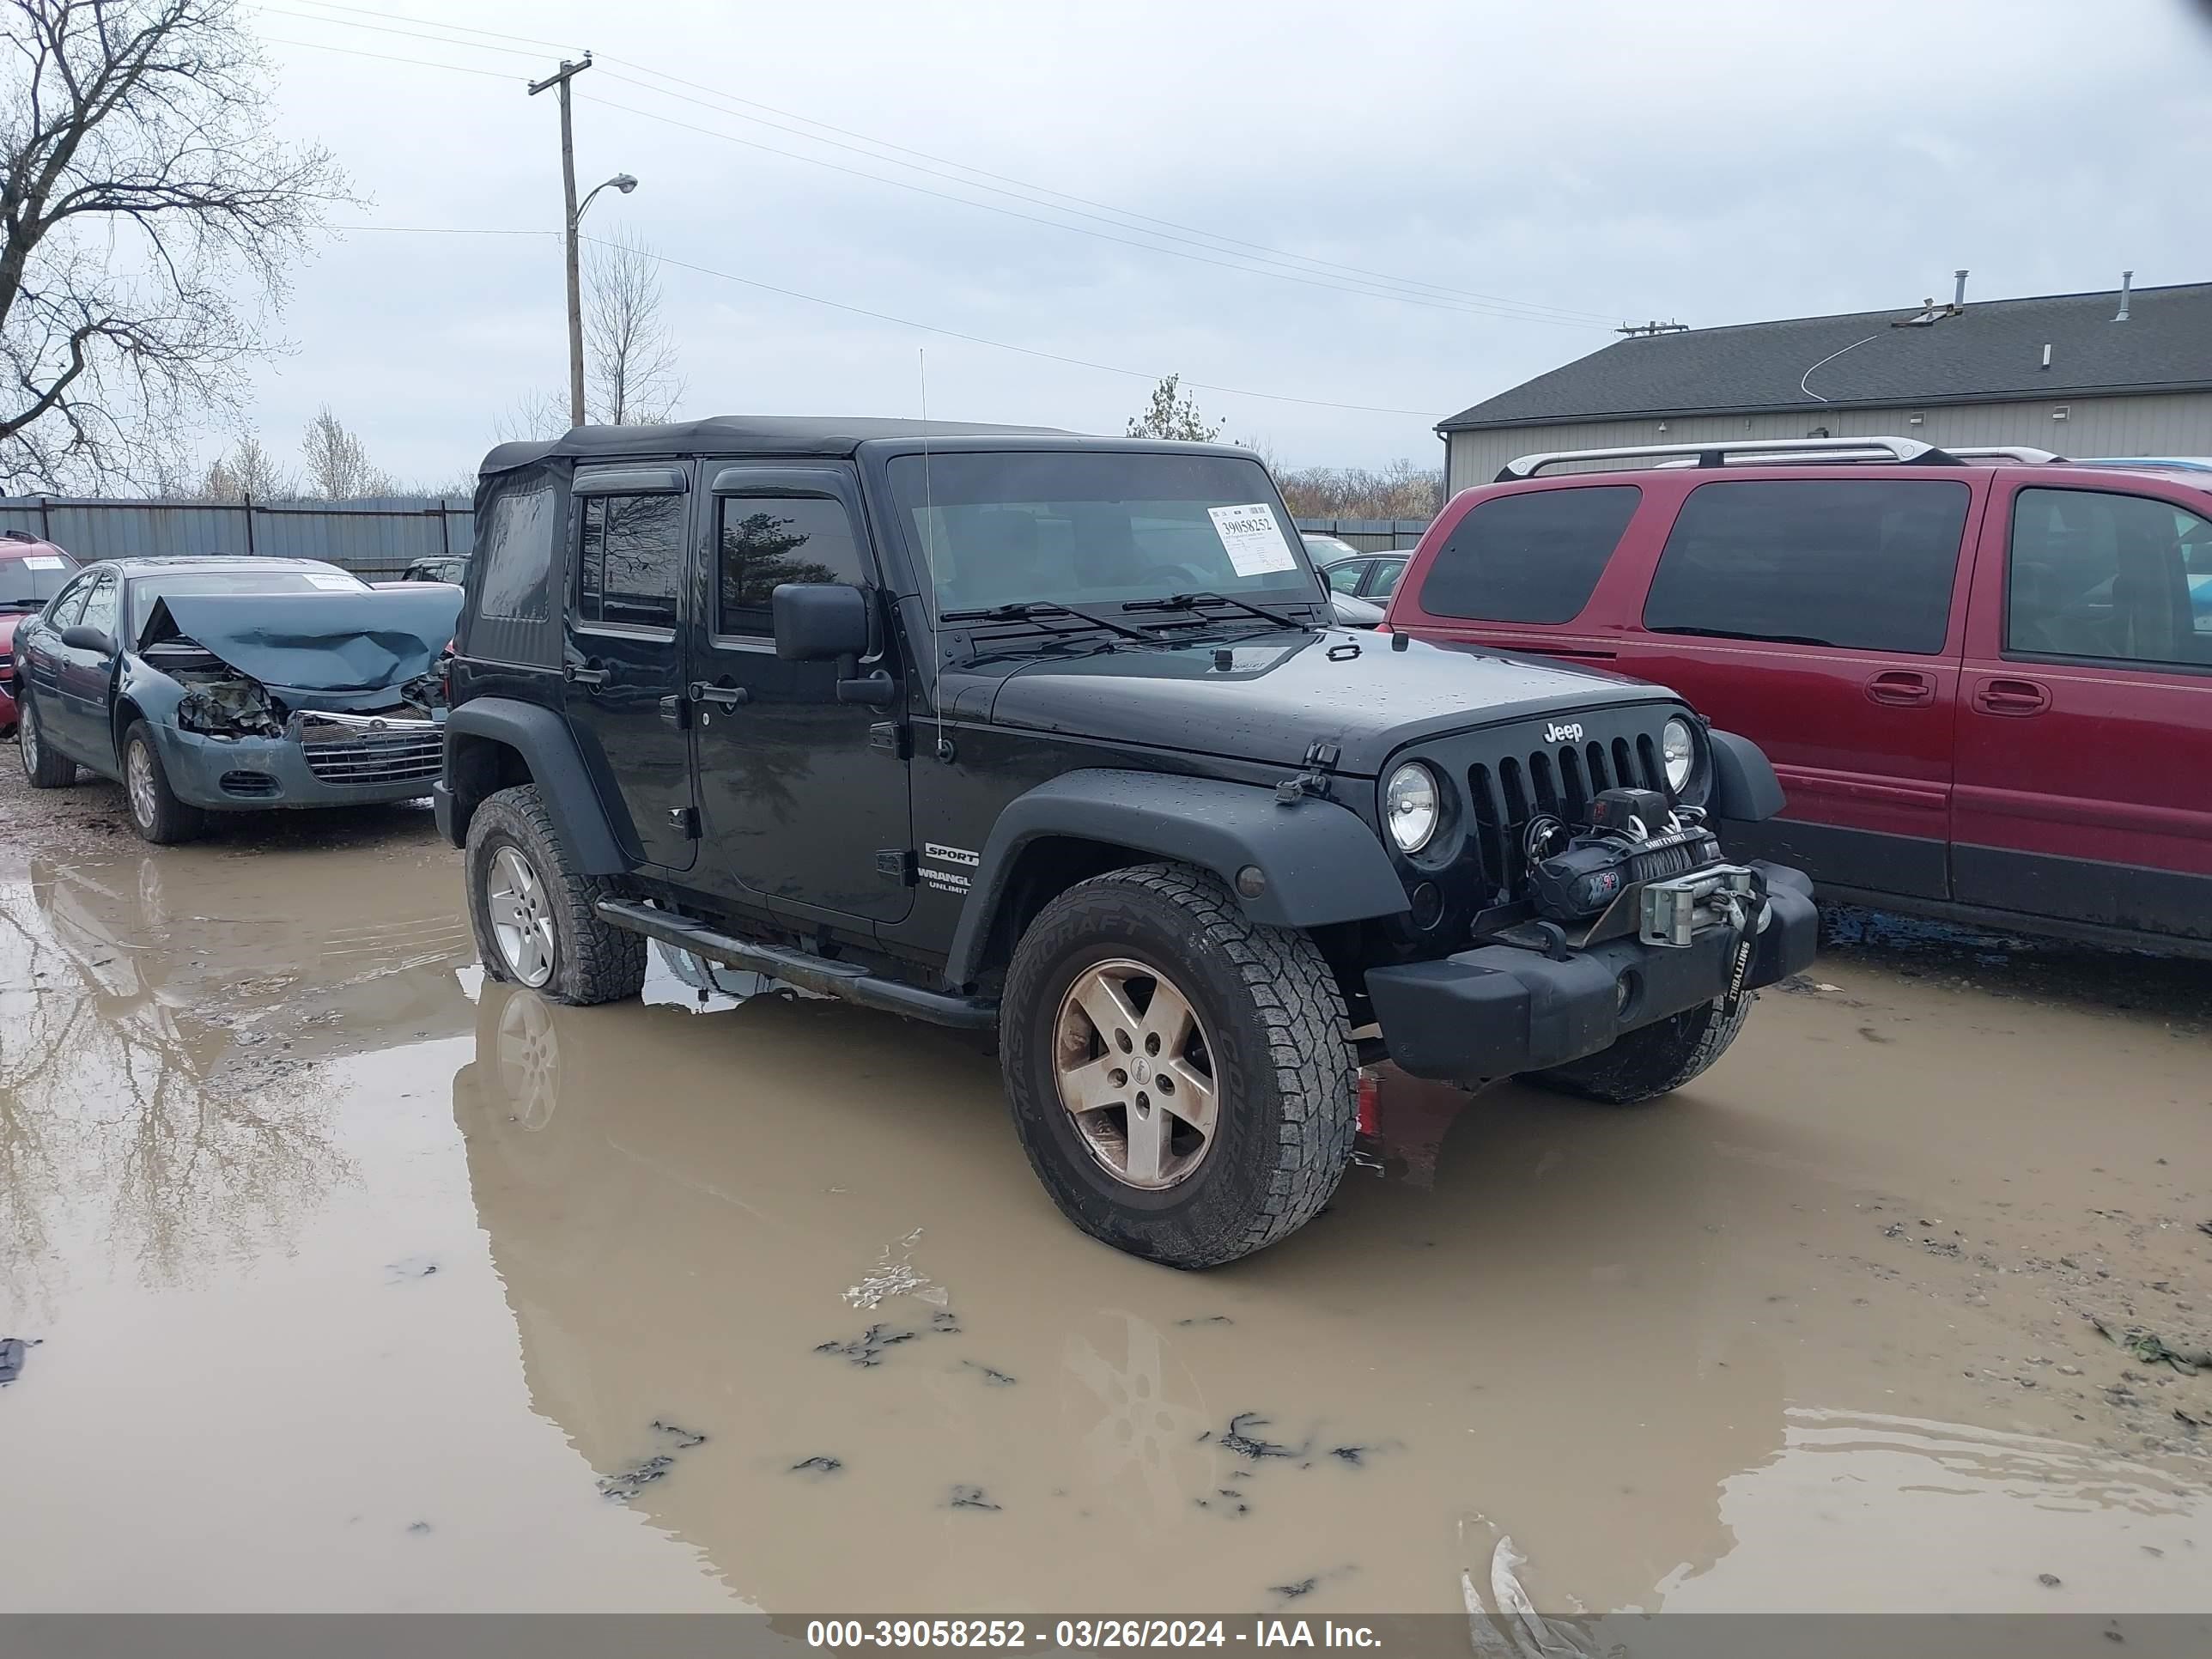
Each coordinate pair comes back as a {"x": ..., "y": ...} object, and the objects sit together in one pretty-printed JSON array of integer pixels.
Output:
[{"x": 750, "y": 435}]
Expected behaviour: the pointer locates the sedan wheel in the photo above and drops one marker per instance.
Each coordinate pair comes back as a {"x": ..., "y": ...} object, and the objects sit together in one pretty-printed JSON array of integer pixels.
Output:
[
  {"x": 521, "y": 922},
  {"x": 45, "y": 766},
  {"x": 1135, "y": 1071},
  {"x": 139, "y": 780}
]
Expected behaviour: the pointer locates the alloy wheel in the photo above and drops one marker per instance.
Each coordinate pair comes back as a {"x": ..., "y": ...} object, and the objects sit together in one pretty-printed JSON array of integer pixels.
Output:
[
  {"x": 26, "y": 734},
  {"x": 522, "y": 921},
  {"x": 1134, "y": 1068},
  {"x": 138, "y": 783}
]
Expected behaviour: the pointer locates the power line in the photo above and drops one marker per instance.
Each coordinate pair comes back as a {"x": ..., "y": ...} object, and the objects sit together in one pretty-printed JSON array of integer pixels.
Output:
[
  {"x": 457, "y": 28},
  {"x": 383, "y": 29},
  {"x": 388, "y": 57},
  {"x": 906, "y": 322},
  {"x": 1497, "y": 305}
]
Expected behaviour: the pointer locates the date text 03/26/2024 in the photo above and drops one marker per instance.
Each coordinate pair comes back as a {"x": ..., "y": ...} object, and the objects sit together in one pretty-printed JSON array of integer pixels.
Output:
[{"x": 1064, "y": 1633}]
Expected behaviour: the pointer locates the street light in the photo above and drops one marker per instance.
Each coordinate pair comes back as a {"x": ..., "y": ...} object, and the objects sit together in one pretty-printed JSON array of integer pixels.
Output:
[{"x": 621, "y": 181}]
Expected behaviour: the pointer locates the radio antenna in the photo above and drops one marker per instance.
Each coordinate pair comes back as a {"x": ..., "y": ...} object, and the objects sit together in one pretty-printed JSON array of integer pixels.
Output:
[{"x": 929, "y": 558}]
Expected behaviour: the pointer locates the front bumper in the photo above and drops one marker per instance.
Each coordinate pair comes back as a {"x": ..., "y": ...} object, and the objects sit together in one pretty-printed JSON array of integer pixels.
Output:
[
  {"x": 8, "y": 715},
  {"x": 1498, "y": 1009},
  {"x": 356, "y": 762}
]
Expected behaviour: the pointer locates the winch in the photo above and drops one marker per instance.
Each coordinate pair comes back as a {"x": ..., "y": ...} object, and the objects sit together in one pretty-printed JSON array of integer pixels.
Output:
[{"x": 1637, "y": 842}]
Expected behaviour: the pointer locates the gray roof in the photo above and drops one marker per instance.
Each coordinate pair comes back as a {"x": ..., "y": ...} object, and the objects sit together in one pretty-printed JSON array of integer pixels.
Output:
[
  {"x": 1993, "y": 349},
  {"x": 744, "y": 434}
]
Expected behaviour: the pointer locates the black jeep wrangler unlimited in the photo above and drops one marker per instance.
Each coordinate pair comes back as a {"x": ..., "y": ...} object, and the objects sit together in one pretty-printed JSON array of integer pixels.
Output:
[{"x": 1052, "y": 738}]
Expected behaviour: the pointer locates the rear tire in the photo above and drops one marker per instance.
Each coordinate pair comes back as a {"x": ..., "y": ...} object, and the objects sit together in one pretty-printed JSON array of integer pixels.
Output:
[
  {"x": 46, "y": 767},
  {"x": 537, "y": 921},
  {"x": 1648, "y": 1063},
  {"x": 1240, "y": 1025},
  {"x": 155, "y": 810}
]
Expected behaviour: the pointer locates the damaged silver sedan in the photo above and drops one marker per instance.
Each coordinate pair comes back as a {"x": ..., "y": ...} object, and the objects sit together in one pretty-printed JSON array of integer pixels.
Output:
[{"x": 224, "y": 684}]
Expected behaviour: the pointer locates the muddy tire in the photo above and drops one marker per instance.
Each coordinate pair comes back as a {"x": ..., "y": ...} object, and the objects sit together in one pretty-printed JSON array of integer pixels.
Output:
[
  {"x": 535, "y": 919},
  {"x": 1183, "y": 1081},
  {"x": 46, "y": 767},
  {"x": 153, "y": 807},
  {"x": 1648, "y": 1063}
]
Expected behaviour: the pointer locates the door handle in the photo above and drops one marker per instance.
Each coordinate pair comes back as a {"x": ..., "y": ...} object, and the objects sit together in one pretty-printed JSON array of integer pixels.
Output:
[
  {"x": 723, "y": 696},
  {"x": 2012, "y": 697},
  {"x": 588, "y": 673},
  {"x": 1904, "y": 687}
]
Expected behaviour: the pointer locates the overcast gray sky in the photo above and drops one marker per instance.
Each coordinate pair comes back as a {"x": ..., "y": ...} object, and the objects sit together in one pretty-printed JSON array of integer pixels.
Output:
[{"x": 1521, "y": 176}]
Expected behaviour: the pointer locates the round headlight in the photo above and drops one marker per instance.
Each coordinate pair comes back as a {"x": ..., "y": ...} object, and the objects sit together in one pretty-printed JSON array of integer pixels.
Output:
[
  {"x": 1679, "y": 751},
  {"x": 1410, "y": 807}
]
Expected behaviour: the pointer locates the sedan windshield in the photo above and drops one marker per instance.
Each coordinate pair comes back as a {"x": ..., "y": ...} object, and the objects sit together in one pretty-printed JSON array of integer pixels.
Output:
[
  {"x": 147, "y": 589},
  {"x": 1098, "y": 530}
]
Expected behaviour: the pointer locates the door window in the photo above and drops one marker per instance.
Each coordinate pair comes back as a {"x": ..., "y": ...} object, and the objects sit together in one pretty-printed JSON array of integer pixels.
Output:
[
  {"x": 1383, "y": 578},
  {"x": 628, "y": 559},
  {"x": 100, "y": 606},
  {"x": 2109, "y": 577},
  {"x": 68, "y": 604},
  {"x": 767, "y": 540},
  {"x": 1529, "y": 558},
  {"x": 1867, "y": 564},
  {"x": 1344, "y": 578}
]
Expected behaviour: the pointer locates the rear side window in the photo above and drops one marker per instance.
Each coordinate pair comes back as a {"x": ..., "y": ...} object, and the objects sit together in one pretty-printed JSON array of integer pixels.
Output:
[
  {"x": 1864, "y": 564},
  {"x": 2110, "y": 577},
  {"x": 767, "y": 540},
  {"x": 1530, "y": 558},
  {"x": 515, "y": 546},
  {"x": 628, "y": 560}
]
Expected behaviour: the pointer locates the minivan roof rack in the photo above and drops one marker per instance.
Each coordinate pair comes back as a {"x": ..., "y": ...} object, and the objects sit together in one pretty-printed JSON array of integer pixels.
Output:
[
  {"x": 1909, "y": 451},
  {"x": 2021, "y": 452}
]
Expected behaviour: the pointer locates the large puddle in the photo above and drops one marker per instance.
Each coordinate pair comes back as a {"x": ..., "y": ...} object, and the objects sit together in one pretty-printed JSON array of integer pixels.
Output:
[{"x": 354, "y": 1283}]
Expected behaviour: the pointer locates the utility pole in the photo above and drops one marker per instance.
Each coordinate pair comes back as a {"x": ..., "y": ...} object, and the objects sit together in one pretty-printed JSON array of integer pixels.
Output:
[{"x": 568, "y": 72}]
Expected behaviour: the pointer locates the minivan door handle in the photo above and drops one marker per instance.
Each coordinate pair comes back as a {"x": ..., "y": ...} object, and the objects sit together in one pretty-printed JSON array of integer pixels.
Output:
[
  {"x": 1906, "y": 687},
  {"x": 2006, "y": 696}
]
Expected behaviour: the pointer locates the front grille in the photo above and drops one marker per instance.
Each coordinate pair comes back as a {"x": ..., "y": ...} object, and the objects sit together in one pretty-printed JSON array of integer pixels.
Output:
[
  {"x": 406, "y": 754},
  {"x": 1557, "y": 779}
]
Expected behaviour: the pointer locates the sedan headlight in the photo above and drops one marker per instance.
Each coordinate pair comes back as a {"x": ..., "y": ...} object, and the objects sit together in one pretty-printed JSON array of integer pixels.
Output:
[
  {"x": 1678, "y": 749},
  {"x": 1411, "y": 807}
]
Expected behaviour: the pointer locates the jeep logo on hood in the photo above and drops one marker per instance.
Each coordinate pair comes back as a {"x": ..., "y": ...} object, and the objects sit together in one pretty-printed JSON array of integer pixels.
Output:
[{"x": 1571, "y": 732}]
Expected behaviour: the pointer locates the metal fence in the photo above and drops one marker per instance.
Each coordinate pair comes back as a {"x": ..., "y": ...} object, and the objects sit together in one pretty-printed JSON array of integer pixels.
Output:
[
  {"x": 1369, "y": 535},
  {"x": 375, "y": 538}
]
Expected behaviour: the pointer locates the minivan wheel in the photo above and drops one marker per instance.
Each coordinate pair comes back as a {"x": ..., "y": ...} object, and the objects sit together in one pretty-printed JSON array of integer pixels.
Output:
[
  {"x": 155, "y": 812},
  {"x": 46, "y": 767},
  {"x": 535, "y": 920},
  {"x": 1648, "y": 1063},
  {"x": 1182, "y": 1079}
]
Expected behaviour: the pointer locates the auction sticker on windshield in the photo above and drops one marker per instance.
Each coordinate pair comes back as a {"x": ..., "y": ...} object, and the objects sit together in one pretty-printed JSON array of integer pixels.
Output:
[
  {"x": 330, "y": 584},
  {"x": 1253, "y": 539},
  {"x": 43, "y": 561}
]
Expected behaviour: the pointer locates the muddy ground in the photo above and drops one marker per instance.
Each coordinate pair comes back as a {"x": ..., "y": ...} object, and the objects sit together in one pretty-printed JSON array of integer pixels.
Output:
[{"x": 347, "y": 1280}]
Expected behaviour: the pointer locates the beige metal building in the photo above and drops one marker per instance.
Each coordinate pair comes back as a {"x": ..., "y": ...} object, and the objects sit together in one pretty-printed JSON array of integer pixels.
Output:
[{"x": 2124, "y": 372}]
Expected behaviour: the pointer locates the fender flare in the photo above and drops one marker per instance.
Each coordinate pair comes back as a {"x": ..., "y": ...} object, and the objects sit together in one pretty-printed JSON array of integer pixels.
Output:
[
  {"x": 1745, "y": 787},
  {"x": 549, "y": 748},
  {"x": 1320, "y": 862}
]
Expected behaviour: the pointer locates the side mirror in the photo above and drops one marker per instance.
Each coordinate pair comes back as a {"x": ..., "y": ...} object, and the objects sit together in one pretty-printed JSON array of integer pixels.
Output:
[
  {"x": 81, "y": 638},
  {"x": 819, "y": 622}
]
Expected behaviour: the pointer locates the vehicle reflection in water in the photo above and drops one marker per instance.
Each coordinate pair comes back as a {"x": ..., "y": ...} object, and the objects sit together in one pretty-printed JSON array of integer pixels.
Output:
[
  {"x": 694, "y": 1219},
  {"x": 162, "y": 1023}
]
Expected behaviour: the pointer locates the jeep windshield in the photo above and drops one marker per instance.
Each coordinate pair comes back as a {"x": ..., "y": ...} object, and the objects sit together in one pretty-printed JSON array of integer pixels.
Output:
[{"x": 1109, "y": 533}]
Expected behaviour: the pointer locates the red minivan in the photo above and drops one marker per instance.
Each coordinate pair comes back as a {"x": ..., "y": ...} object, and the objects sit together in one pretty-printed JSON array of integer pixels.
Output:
[{"x": 1984, "y": 676}]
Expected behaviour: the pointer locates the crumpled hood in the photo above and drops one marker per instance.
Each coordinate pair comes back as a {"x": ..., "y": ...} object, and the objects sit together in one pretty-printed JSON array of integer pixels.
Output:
[
  {"x": 309, "y": 643},
  {"x": 1281, "y": 692}
]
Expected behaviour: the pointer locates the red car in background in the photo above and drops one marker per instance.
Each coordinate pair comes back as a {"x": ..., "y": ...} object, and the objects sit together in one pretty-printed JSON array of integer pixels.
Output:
[
  {"x": 31, "y": 573},
  {"x": 1984, "y": 676}
]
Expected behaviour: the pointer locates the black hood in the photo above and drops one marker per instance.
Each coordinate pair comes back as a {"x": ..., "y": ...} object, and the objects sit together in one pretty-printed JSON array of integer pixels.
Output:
[{"x": 1282, "y": 692}]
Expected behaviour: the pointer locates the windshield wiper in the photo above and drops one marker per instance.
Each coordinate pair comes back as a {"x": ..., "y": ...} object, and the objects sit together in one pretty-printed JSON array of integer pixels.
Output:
[
  {"x": 1745, "y": 634},
  {"x": 1029, "y": 609},
  {"x": 1192, "y": 601}
]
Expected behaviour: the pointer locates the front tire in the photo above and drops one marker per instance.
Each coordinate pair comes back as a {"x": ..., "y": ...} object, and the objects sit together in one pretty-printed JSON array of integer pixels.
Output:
[
  {"x": 535, "y": 920},
  {"x": 1648, "y": 1063},
  {"x": 1183, "y": 1080},
  {"x": 46, "y": 767},
  {"x": 155, "y": 812}
]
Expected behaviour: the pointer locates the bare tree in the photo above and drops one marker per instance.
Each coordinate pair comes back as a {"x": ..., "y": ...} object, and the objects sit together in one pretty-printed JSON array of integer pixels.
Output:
[
  {"x": 148, "y": 215},
  {"x": 535, "y": 416},
  {"x": 338, "y": 467},
  {"x": 1173, "y": 413},
  {"x": 629, "y": 359},
  {"x": 1400, "y": 490},
  {"x": 246, "y": 471}
]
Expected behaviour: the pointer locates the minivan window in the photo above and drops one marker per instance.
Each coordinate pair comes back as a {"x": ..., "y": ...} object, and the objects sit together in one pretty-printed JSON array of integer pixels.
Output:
[
  {"x": 1863, "y": 563},
  {"x": 2108, "y": 576},
  {"x": 1093, "y": 528},
  {"x": 1529, "y": 558},
  {"x": 628, "y": 560},
  {"x": 767, "y": 540}
]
